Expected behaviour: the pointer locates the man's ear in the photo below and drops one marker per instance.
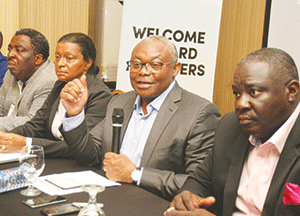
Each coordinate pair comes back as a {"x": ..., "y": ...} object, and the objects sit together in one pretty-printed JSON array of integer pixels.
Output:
[
  {"x": 177, "y": 69},
  {"x": 38, "y": 59},
  {"x": 293, "y": 90}
]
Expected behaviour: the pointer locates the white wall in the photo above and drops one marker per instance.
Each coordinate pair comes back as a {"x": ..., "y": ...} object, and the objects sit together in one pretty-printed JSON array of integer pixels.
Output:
[
  {"x": 108, "y": 32},
  {"x": 284, "y": 30}
]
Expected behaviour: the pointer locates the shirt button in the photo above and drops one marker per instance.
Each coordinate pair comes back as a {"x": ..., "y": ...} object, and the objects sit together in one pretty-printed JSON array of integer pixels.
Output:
[{"x": 249, "y": 201}]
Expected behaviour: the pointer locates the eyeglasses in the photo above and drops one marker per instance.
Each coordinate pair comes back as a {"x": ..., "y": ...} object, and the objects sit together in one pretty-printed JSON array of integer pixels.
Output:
[{"x": 153, "y": 67}]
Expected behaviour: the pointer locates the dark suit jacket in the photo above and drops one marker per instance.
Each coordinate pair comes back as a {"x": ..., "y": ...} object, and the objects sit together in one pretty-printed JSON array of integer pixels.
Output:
[
  {"x": 39, "y": 127},
  {"x": 220, "y": 172},
  {"x": 179, "y": 140}
]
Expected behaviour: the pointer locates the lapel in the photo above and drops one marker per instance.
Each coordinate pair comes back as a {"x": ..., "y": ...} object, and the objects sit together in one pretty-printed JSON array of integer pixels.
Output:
[
  {"x": 163, "y": 117},
  {"x": 289, "y": 155},
  {"x": 15, "y": 92},
  {"x": 25, "y": 91},
  {"x": 54, "y": 102},
  {"x": 31, "y": 82},
  {"x": 53, "y": 111},
  {"x": 235, "y": 171},
  {"x": 128, "y": 108}
]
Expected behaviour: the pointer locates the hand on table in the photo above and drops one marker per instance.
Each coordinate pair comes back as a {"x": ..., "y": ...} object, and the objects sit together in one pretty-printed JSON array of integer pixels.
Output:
[
  {"x": 10, "y": 142},
  {"x": 74, "y": 96},
  {"x": 118, "y": 167},
  {"x": 187, "y": 203}
]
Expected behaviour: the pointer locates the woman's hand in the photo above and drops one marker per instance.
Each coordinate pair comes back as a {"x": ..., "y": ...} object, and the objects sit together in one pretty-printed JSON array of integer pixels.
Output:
[
  {"x": 10, "y": 142},
  {"x": 74, "y": 96}
]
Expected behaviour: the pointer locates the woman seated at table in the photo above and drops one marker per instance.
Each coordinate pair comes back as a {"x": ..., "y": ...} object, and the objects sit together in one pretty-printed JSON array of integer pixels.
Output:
[{"x": 74, "y": 59}]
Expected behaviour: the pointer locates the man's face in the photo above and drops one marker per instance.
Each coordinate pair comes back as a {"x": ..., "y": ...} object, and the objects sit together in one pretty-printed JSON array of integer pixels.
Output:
[
  {"x": 20, "y": 57},
  {"x": 145, "y": 83},
  {"x": 261, "y": 103}
]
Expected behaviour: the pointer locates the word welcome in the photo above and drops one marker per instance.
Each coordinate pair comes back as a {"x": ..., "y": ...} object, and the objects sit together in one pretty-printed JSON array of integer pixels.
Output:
[{"x": 177, "y": 35}]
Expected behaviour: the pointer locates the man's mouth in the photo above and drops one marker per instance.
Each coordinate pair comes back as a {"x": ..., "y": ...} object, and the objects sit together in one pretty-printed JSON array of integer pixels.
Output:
[
  {"x": 10, "y": 64},
  {"x": 61, "y": 73},
  {"x": 143, "y": 84},
  {"x": 244, "y": 120}
]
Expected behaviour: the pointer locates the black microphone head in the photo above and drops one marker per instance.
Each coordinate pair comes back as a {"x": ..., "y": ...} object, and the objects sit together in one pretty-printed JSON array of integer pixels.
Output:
[{"x": 118, "y": 116}]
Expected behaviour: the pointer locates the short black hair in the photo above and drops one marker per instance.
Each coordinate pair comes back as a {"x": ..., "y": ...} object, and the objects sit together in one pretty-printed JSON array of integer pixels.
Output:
[
  {"x": 281, "y": 63},
  {"x": 39, "y": 42},
  {"x": 87, "y": 46},
  {"x": 1, "y": 39}
]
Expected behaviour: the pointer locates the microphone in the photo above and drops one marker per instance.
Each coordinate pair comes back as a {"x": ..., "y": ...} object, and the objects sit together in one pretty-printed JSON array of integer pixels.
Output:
[{"x": 117, "y": 119}]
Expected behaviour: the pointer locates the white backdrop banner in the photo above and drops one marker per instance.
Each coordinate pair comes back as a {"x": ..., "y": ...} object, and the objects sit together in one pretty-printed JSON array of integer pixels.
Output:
[{"x": 192, "y": 25}]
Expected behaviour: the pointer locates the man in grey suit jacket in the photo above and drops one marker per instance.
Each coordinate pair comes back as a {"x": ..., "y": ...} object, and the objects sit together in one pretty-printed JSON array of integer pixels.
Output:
[
  {"x": 256, "y": 154},
  {"x": 167, "y": 131},
  {"x": 29, "y": 81}
]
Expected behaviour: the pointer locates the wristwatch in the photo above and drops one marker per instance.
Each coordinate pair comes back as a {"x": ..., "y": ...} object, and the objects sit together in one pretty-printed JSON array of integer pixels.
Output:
[{"x": 136, "y": 175}]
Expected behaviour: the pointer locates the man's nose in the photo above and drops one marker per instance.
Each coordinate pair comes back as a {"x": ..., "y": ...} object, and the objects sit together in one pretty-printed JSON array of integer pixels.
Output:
[
  {"x": 11, "y": 53},
  {"x": 243, "y": 102},
  {"x": 60, "y": 61},
  {"x": 144, "y": 70}
]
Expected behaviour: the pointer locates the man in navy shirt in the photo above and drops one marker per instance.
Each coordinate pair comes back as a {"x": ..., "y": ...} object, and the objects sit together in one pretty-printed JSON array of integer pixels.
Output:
[{"x": 3, "y": 62}]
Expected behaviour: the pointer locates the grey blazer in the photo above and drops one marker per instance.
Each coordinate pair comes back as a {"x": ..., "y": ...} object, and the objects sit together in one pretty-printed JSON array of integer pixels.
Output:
[
  {"x": 31, "y": 99},
  {"x": 179, "y": 140}
]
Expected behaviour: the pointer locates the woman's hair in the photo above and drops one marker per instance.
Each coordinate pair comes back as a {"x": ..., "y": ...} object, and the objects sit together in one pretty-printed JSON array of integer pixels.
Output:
[
  {"x": 1, "y": 39},
  {"x": 87, "y": 46}
]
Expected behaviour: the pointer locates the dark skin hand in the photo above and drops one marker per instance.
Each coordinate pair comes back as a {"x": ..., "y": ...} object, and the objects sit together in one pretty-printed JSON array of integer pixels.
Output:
[
  {"x": 187, "y": 203},
  {"x": 74, "y": 96},
  {"x": 118, "y": 167},
  {"x": 12, "y": 142}
]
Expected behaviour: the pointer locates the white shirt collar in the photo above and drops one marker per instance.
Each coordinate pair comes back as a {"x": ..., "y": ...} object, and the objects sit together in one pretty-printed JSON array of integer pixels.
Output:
[{"x": 157, "y": 102}]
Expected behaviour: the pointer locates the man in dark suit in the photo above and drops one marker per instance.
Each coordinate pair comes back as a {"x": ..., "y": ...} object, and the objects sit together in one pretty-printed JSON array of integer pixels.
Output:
[
  {"x": 167, "y": 131},
  {"x": 256, "y": 152}
]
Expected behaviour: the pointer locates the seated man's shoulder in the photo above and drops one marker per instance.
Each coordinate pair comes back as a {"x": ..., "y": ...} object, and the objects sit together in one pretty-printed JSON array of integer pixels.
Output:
[
  {"x": 48, "y": 65},
  {"x": 123, "y": 97},
  {"x": 230, "y": 119},
  {"x": 43, "y": 80},
  {"x": 191, "y": 100},
  {"x": 47, "y": 69},
  {"x": 229, "y": 126}
]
